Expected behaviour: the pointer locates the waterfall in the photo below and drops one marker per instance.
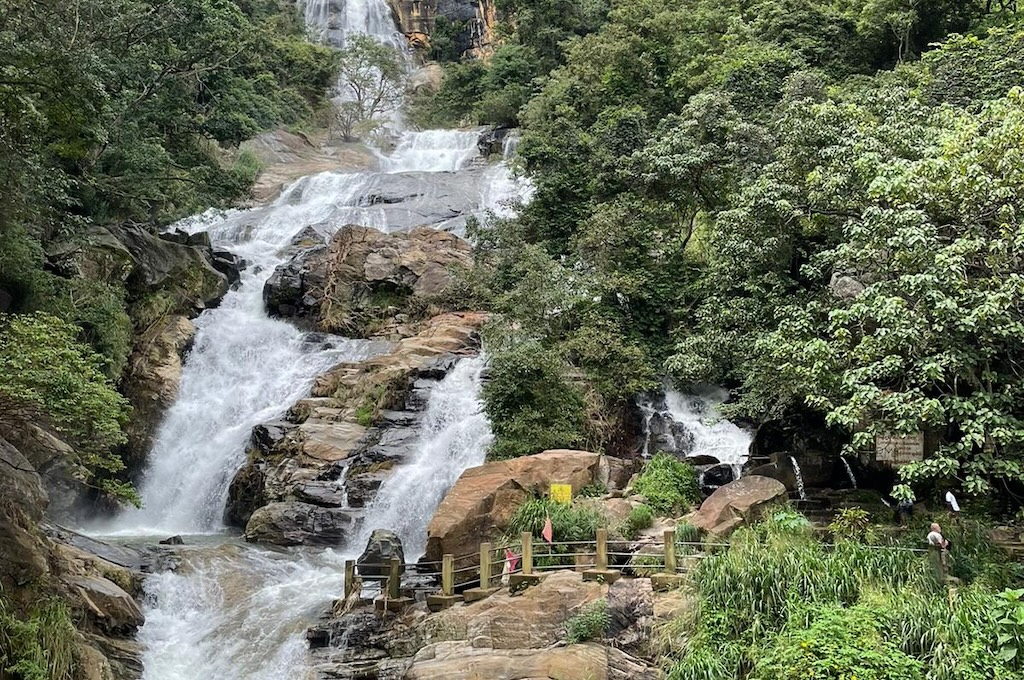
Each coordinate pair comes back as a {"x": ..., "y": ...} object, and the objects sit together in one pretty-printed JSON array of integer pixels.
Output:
[
  {"x": 455, "y": 436},
  {"x": 234, "y": 611},
  {"x": 693, "y": 426},
  {"x": 799, "y": 478},
  {"x": 849, "y": 472}
]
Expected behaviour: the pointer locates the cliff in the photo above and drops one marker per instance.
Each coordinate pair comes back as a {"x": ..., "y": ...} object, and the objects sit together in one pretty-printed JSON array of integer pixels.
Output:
[{"x": 418, "y": 20}]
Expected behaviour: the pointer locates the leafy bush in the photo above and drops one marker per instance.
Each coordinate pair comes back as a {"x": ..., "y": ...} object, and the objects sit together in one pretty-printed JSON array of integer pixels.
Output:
[
  {"x": 531, "y": 405},
  {"x": 46, "y": 370},
  {"x": 668, "y": 484},
  {"x": 640, "y": 517},
  {"x": 591, "y": 622},
  {"x": 852, "y": 524},
  {"x": 839, "y": 643}
]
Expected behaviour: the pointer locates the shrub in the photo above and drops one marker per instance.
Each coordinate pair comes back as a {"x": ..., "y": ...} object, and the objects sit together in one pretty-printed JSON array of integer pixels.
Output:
[
  {"x": 531, "y": 405},
  {"x": 840, "y": 643},
  {"x": 591, "y": 622},
  {"x": 852, "y": 524},
  {"x": 47, "y": 371},
  {"x": 640, "y": 517},
  {"x": 668, "y": 484}
]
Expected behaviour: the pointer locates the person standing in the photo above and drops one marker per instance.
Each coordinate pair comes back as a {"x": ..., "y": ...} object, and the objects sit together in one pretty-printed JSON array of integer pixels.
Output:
[{"x": 936, "y": 541}]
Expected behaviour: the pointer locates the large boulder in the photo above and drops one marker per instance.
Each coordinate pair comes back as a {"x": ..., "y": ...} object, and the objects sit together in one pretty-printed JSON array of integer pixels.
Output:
[
  {"x": 365, "y": 282},
  {"x": 295, "y": 523},
  {"x": 485, "y": 497},
  {"x": 737, "y": 503},
  {"x": 466, "y": 661},
  {"x": 383, "y": 546}
]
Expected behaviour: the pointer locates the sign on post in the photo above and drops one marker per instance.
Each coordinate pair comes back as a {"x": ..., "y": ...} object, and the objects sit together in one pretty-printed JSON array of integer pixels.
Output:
[
  {"x": 899, "y": 449},
  {"x": 561, "y": 493}
]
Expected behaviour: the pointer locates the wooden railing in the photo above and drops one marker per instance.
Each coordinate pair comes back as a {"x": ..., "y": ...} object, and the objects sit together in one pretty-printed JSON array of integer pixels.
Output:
[{"x": 473, "y": 577}]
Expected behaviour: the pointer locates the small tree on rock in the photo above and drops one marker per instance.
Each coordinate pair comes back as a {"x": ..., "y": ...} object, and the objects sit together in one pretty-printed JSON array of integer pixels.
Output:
[{"x": 371, "y": 83}]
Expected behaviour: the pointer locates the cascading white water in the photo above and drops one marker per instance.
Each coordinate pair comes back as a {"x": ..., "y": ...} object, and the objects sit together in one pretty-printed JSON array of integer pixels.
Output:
[
  {"x": 455, "y": 436},
  {"x": 234, "y": 611},
  {"x": 707, "y": 433},
  {"x": 849, "y": 472},
  {"x": 799, "y": 479}
]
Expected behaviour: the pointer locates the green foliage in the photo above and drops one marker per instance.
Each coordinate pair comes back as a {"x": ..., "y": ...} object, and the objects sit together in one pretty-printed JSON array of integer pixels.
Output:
[
  {"x": 373, "y": 75},
  {"x": 839, "y": 643},
  {"x": 852, "y": 524},
  {"x": 39, "y": 645},
  {"x": 1009, "y": 615},
  {"x": 590, "y": 623},
  {"x": 640, "y": 517},
  {"x": 47, "y": 371},
  {"x": 668, "y": 484},
  {"x": 575, "y": 522},
  {"x": 531, "y": 404}
]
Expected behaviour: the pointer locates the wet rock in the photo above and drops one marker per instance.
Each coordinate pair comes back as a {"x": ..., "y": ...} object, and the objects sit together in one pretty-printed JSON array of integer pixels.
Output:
[
  {"x": 702, "y": 459},
  {"x": 737, "y": 503},
  {"x": 110, "y": 608},
  {"x": 246, "y": 493},
  {"x": 492, "y": 141},
  {"x": 228, "y": 264},
  {"x": 173, "y": 540},
  {"x": 382, "y": 546},
  {"x": 294, "y": 523},
  {"x": 364, "y": 278},
  {"x": 325, "y": 493},
  {"x": 718, "y": 475},
  {"x": 266, "y": 436}
]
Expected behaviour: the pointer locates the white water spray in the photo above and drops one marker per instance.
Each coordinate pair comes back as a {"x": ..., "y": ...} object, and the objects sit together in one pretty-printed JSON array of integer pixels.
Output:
[
  {"x": 799, "y": 478},
  {"x": 455, "y": 436},
  {"x": 703, "y": 430},
  {"x": 849, "y": 472}
]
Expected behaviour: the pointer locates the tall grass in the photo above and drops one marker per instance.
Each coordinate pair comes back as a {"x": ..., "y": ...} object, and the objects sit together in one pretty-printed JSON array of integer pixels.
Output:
[{"x": 40, "y": 646}]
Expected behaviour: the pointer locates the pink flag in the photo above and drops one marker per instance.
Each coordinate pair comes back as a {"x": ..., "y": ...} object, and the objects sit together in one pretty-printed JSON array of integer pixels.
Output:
[
  {"x": 548, "y": 532},
  {"x": 512, "y": 560}
]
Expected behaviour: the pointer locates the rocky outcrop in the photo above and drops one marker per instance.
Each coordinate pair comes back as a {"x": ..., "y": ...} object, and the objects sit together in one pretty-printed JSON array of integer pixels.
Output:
[
  {"x": 737, "y": 503},
  {"x": 475, "y": 19},
  {"x": 295, "y": 523},
  {"x": 484, "y": 498},
  {"x": 383, "y": 546},
  {"x": 503, "y": 637},
  {"x": 153, "y": 377},
  {"x": 366, "y": 283},
  {"x": 22, "y": 544},
  {"x": 336, "y": 447}
]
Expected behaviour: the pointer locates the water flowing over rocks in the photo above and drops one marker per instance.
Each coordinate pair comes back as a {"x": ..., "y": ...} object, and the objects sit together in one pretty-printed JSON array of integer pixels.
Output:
[
  {"x": 339, "y": 445},
  {"x": 737, "y": 503},
  {"x": 483, "y": 499},
  {"x": 365, "y": 283}
]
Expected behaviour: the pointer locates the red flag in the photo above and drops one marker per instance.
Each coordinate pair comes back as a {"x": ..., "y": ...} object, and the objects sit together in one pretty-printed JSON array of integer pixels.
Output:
[
  {"x": 512, "y": 560},
  {"x": 547, "y": 532}
]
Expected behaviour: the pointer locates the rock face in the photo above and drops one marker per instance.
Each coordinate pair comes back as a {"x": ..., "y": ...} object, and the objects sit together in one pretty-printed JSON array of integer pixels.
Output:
[
  {"x": 154, "y": 376},
  {"x": 737, "y": 503},
  {"x": 336, "y": 447},
  {"x": 417, "y": 19},
  {"x": 382, "y": 546},
  {"x": 503, "y": 637},
  {"x": 365, "y": 282},
  {"x": 296, "y": 523},
  {"x": 483, "y": 499},
  {"x": 21, "y": 542}
]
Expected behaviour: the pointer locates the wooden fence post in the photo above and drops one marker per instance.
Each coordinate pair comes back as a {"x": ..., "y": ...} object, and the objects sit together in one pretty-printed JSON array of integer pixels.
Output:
[
  {"x": 671, "y": 566},
  {"x": 448, "y": 575},
  {"x": 395, "y": 579},
  {"x": 485, "y": 565},
  {"x": 602, "y": 550},
  {"x": 527, "y": 538}
]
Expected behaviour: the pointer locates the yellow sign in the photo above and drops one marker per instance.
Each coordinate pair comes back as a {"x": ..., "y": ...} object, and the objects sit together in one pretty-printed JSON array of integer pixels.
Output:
[{"x": 561, "y": 493}]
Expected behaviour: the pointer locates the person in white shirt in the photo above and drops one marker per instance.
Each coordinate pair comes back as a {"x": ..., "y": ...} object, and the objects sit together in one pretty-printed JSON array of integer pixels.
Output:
[
  {"x": 951, "y": 499},
  {"x": 935, "y": 539}
]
